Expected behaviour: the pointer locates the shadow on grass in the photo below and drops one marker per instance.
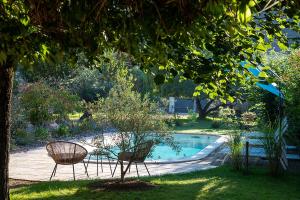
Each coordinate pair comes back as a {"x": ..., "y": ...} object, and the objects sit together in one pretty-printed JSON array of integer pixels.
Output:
[{"x": 219, "y": 183}]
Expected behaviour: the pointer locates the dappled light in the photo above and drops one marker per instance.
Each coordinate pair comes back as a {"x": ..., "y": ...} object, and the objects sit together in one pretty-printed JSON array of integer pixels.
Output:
[{"x": 211, "y": 184}]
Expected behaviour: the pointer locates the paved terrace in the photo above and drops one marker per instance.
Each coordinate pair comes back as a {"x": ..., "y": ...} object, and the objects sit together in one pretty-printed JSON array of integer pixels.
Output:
[{"x": 36, "y": 165}]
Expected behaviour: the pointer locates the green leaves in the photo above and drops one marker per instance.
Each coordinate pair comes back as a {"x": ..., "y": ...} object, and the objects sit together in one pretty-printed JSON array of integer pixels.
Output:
[
  {"x": 3, "y": 57},
  {"x": 244, "y": 14},
  {"x": 159, "y": 79},
  {"x": 262, "y": 74}
]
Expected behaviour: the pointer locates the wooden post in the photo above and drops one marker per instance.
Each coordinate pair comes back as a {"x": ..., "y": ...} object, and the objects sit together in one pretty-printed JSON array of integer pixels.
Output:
[{"x": 247, "y": 158}]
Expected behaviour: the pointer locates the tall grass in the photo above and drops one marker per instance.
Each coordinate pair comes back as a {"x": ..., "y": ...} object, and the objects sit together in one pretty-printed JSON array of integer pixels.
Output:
[
  {"x": 273, "y": 145},
  {"x": 235, "y": 145}
]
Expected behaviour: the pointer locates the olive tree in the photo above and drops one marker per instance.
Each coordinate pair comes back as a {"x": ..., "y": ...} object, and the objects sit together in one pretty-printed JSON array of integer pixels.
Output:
[{"x": 135, "y": 118}]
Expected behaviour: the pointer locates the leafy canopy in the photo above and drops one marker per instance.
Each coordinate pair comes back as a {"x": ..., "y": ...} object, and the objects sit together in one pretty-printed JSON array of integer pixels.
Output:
[{"x": 204, "y": 40}]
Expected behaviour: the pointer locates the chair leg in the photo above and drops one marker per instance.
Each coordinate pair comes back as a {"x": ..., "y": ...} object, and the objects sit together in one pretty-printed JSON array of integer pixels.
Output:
[
  {"x": 88, "y": 161},
  {"x": 54, "y": 171},
  {"x": 129, "y": 168},
  {"x": 109, "y": 165},
  {"x": 86, "y": 171},
  {"x": 73, "y": 172},
  {"x": 97, "y": 163},
  {"x": 147, "y": 168},
  {"x": 115, "y": 168},
  {"x": 101, "y": 164},
  {"x": 137, "y": 171}
]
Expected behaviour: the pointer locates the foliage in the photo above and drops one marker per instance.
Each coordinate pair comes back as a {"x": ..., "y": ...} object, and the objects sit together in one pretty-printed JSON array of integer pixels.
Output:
[
  {"x": 42, "y": 103},
  {"x": 87, "y": 124},
  {"x": 217, "y": 124},
  {"x": 177, "y": 88},
  {"x": 204, "y": 40},
  {"x": 227, "y": 114},
  {"x": 235, "y": 145},
  {"x": 249, "y": 117},
  {"x": 63, "y": 130},
  {"x": 273, "y": 145},
  {"x": 135, "y": 118},
  {"x": 22, "y": 137},
  {"x": 52, "y": 72},
  {"x": 287, "y": 66},
  {"x": 192, "y": 115},
  {"x": 86, "y": 83},
  {"x": 143, "y": 82},
  {"x": 41, "y": 133},
  {"x": 19, "y": 121}
]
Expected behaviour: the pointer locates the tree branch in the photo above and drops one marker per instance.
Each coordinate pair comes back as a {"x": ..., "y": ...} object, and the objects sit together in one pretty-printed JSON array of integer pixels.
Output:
[{"x": 270, "y": 6}]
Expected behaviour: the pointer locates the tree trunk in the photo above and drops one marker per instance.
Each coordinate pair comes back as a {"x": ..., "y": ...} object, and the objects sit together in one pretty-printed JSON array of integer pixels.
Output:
[
  {"x": 122, "y": 171},
  {"x": 202, "y": 114},
  {"x": 6, "y": 85}
]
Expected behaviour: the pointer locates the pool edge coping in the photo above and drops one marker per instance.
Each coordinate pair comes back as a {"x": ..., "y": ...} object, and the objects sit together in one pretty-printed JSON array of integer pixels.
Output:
[{"x": 198, "y": 156}]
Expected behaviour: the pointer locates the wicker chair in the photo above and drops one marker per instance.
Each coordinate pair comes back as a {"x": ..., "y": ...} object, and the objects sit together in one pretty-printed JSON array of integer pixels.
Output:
[
  {"x": 66, "y": 153},
  {"x": 139, "y": 156}
]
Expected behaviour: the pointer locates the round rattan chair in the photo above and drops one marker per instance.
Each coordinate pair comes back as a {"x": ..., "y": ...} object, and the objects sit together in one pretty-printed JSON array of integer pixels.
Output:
[
  {"x": 66, "y": 153},
  {"x": 139, "y": 156}
]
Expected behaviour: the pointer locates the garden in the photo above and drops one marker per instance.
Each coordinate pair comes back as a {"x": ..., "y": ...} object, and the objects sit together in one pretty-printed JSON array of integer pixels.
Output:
[{"x": 149, "y": 100}]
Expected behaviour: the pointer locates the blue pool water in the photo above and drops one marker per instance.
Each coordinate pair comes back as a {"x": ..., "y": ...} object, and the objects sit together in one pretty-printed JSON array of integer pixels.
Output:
[{"x": 189, "y": 146}]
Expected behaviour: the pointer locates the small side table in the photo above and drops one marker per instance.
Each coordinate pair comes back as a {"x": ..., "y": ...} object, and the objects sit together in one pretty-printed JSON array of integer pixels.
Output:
[{"x": 100, "y": 154}]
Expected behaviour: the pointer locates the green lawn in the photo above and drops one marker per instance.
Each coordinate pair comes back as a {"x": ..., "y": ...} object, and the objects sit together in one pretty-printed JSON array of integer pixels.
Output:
[
  {"x": 199, "y": 127},
  {"x": 219, "y": 183}
]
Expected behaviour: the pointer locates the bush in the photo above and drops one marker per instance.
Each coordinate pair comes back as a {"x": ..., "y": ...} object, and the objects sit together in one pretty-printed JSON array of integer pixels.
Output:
[
  {"x": 192, "y": 115},
  {"x": 287, "y": 66},
  {"x": 41, "y": 133},
  {"x": 227, "y": 114},
  {"x": 87, "y": 125},
  {"x": 216, "y": 124},
  {"x": 273, "y": 147},
  {"x": 23, "y": 138},
  {"x": 235, "y": 145},
  {"x": 63, "y": 130},
  {"x": 42, "y": 104}
]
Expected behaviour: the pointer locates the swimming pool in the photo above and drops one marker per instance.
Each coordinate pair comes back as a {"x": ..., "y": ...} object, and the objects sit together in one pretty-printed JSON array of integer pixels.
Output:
[
  {"x": 192, "y": 147},
  {"x": 189, "y": 145}
]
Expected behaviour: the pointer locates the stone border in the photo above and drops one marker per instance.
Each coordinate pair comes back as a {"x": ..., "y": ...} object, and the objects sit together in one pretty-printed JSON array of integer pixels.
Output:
[{"x": 199, "y": 156}]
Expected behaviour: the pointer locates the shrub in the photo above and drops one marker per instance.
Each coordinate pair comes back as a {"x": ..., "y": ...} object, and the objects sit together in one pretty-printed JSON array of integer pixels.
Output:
[
  {"x": 287, "y": 66},
  {"x": 41, "y": 133},
  {"x": 41, "y": 103},
  {"x": 272, "y": 145},
  {"x": 63, "y": 130},
  {"x": 192, "y": 115},
  {"x": 87, "y": 124},
  {"x": 235, "y": 145},
  {"x": 227, "y": 113},
  {"x": 249, "y": 117},
  {"x": 23, "y": 138},
  {"x": 216, "y": 124}
]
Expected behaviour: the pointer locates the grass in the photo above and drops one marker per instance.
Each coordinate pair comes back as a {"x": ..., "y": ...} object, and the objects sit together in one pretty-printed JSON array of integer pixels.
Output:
[
  {"x": 199, "y": 127},
  {"x": 75, "y": 116},
  {"x": 218, "y": 183}
]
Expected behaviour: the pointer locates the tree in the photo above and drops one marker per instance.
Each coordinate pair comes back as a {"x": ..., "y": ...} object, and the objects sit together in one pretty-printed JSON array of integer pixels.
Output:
[
  {"x": 136, "y": 119},
  {"x": 287, "y": 66},
  {"x": 205, "y": 105},
  {"x": 177, "y": 88},
  {"x": 154, "y": 32}
]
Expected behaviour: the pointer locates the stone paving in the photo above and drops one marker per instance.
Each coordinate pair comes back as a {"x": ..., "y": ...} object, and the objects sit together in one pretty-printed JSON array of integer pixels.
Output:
[{"x": 36, "y": 165}]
